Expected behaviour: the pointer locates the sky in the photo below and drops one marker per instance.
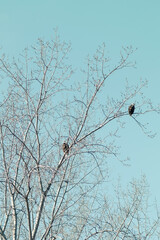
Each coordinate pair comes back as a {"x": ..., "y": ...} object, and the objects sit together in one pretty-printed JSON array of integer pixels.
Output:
[{"x": 87, "y": 24}]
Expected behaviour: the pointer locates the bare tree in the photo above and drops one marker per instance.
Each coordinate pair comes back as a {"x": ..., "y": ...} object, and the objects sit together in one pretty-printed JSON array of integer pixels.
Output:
[
  {"x": 126, "y": 216},
  {"x": 48, "y": 192}
]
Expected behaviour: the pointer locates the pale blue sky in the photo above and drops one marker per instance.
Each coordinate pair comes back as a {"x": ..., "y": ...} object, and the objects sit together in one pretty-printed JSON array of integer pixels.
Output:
[{"x": 86, "y": 24}]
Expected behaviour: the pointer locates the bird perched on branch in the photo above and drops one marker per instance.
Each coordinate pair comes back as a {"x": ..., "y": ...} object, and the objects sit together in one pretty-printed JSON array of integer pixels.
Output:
[
  {"x": 65, "y": 148},
  {"x": 131, "y": 109}
]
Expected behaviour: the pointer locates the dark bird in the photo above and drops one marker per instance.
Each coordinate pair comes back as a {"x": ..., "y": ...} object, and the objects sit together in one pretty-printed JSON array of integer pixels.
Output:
[
  {"x": 65, "y": 148},
  {"x": 131, "y": 109}
]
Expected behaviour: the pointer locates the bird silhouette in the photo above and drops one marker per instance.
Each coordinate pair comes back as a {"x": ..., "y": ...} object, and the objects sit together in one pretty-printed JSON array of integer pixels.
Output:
[
  {"x": 65, "y": 147},
  {"x": 131, "y": 109}
]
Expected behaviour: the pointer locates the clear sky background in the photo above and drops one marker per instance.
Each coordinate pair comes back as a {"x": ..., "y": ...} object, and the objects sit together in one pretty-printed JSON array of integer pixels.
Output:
[{"x": 87, "y": 24}]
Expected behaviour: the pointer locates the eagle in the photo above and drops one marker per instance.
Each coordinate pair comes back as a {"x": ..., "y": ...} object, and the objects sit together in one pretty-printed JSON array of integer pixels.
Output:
[
  {"x": 131, "y": 109},
  {"x": 65, "y": 147}
]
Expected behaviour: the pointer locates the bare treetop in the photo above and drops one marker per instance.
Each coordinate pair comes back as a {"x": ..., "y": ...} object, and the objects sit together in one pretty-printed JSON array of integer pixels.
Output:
[{"x": 53, "y": 158}]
